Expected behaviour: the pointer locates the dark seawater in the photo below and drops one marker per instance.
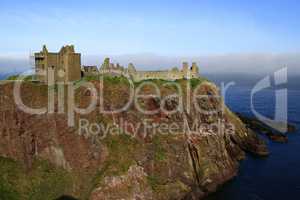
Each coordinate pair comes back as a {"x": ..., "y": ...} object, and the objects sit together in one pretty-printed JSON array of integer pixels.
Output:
[
  {"x": 4, "y": 76},
  {"x": 276, "y": 177}
]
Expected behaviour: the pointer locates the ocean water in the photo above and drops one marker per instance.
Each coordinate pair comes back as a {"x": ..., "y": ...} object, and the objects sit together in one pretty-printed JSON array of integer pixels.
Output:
[
  {"x": 276, "y": 177},
  {"x": 4, "y": 76}
]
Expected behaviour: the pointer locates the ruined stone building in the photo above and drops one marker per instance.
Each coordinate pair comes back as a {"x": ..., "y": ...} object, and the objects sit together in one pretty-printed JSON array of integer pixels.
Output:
[
  {"x": 90, "y": 70},
  {"x": 173, "y": 74},
  {"x": 64, "y": 66},
  {"x": 186, "y": 72}
]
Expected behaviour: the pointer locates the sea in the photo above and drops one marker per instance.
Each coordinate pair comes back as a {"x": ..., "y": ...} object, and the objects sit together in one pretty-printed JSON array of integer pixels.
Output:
[{"x": 275, "y": 177}]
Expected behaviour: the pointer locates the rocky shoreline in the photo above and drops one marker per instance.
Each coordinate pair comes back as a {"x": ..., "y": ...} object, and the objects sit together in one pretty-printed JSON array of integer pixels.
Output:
[{"x": 264, "y": 129}]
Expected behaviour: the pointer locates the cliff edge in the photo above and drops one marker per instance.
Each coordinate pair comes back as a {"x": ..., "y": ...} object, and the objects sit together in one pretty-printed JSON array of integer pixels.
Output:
[{"x": 43, "y": 157}]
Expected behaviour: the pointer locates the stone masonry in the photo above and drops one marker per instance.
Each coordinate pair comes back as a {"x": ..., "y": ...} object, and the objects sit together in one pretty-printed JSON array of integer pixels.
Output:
[
  {"x": 107, "y": 67},
  {"x": 64, "y": 66}
]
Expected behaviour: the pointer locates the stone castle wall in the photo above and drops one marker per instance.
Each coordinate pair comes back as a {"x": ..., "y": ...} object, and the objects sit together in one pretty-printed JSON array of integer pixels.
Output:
[{"x": 173, "y": 74}]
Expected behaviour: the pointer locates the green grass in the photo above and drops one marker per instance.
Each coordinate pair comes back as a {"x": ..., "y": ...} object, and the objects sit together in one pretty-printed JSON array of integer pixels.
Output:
[
  {"x": 196, "y": 81},
  {"x": 122, "y": 149},
  {"x": 158, "y": 82},
  {"x": 19, "y": 77},
  {"x": 159, "y": 151},
  {"x": 10, "y": 179},
  {"x": 43, "y": 181},
  {"x": 107, "y": 79},
  {"x": 154, "y": 182}
]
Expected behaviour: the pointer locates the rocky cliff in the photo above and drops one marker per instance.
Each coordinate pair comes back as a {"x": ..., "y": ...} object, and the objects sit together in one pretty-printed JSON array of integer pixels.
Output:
[{"x": 43, "y": 158}]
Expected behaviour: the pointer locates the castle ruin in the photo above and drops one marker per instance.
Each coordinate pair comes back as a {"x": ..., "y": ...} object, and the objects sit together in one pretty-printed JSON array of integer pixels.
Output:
[
  {"x": 65, "y": 66},
  {"x": 186, "y": 72}
]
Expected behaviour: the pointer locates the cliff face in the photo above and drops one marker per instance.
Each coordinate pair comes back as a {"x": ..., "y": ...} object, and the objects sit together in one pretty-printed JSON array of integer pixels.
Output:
[{"x": 185, "y": 165}]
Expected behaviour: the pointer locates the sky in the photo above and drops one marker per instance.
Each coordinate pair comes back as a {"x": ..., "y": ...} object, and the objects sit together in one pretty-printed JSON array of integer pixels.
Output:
[{"x": 156, "y": 28}]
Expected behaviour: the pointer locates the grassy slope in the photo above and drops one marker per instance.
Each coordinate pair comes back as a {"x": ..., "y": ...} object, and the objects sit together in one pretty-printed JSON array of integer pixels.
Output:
[{"x": 43, "y": 181}]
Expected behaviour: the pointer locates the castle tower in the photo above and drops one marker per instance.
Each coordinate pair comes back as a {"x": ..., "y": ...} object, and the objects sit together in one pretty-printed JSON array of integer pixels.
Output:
[
  {"x": 185, "y": 67},
  {"x": 131, "y": 68},
  {"x": 64, "y": 66},
  {"x": 106, "y": 64},
  {"x": 195, "y": 68}
]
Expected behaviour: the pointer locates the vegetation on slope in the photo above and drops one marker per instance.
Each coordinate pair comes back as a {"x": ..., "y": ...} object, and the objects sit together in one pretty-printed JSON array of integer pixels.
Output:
[{"x": 43, "y": 181}]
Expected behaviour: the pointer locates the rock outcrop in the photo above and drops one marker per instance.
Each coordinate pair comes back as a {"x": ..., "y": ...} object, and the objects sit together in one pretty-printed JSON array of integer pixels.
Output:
[{"x": 186, "y": 165}]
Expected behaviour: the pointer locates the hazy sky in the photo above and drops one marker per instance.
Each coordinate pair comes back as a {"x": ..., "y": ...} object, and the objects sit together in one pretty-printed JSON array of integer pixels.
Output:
[{"x": 186, "y": 28}]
